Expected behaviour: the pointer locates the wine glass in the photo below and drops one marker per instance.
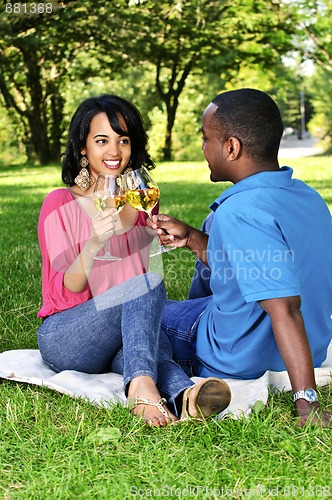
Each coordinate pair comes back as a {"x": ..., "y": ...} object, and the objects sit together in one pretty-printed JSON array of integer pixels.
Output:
[
  {"x": 108, "y": 193},
  {"x": 143, "y": 194}
]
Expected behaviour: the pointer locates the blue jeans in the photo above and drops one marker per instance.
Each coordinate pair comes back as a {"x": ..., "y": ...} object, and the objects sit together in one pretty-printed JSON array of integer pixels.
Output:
[
  {"x": 117, "y": 331},
  {"x": 179, "y": 321}
]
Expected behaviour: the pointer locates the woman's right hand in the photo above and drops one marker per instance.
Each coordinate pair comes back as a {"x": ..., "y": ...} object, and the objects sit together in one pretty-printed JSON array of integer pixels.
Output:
[{"x": 103, "y": 227}]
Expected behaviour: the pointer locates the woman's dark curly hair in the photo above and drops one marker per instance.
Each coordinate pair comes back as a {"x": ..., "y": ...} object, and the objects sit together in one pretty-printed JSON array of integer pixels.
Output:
[{"x": 115, "y": 108}]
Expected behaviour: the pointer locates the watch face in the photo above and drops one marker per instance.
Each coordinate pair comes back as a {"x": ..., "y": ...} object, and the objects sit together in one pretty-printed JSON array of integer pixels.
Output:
[{"x": 310, "y": 395}]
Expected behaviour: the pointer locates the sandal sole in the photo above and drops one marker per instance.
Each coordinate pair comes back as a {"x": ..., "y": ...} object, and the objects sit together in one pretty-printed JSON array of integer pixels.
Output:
[{"x": 212, "y": 397}]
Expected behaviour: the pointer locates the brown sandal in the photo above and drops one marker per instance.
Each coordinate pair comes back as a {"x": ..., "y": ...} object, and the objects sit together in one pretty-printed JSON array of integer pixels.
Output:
[{"x": 212, "y": 396}]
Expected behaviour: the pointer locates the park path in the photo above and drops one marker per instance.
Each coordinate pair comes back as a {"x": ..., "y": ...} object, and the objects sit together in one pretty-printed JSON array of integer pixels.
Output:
[{"x": 291, "y": 147}]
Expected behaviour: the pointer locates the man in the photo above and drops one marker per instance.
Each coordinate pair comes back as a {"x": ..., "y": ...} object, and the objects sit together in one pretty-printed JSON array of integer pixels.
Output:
[{"x": 269, "y": 254}]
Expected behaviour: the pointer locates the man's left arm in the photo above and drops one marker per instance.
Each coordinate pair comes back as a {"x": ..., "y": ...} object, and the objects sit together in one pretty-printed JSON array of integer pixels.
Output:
[{"x": 292, "y": 341}]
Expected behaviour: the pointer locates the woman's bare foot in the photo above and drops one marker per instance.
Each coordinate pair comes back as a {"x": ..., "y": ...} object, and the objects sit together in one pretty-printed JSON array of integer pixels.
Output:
[{"x": 147, "y": 402}]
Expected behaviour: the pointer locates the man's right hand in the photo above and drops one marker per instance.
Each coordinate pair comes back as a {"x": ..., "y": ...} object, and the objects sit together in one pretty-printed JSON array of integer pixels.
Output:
[
  {"x": 174, "y": 232},
  {"x": 170, "y": 230},
  {"x": 316, "y": 417},
  {"x": 313, "y": 414}
]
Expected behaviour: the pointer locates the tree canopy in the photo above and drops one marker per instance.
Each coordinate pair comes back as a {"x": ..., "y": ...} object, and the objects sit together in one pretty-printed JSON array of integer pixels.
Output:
[
  {"x": 316, "y": 34},
  {"x": 196, "y": 36},
  {"x": 41, "y": 53},
  {"x": 36, "y": 52}
]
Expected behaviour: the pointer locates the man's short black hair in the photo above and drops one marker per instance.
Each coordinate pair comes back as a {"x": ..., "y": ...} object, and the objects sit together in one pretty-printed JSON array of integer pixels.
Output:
[{"x": 252, "y": 117}]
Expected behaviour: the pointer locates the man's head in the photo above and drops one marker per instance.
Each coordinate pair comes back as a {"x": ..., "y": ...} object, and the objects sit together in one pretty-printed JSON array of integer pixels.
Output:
[{"x": 247, "y": 125}]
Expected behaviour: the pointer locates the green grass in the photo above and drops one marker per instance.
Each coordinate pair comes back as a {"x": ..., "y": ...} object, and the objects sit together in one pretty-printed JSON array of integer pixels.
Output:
[{"x": 55, "y": 447}]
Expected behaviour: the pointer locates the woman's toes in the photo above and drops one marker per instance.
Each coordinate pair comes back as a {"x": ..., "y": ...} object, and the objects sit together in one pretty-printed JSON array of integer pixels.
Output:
[
  {"x": 147, "y": 403},
  {"x": 153, "y": 413}
]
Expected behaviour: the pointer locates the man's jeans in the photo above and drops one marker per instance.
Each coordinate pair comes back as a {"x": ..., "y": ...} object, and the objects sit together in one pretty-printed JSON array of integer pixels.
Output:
[{"x": 179, "y": 322}]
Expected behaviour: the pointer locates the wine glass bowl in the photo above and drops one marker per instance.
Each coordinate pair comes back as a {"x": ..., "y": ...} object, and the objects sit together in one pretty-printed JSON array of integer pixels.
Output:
[
  {"x": 108, "y": 193},
  {"x": 143, "y": 194},
  {"x": 143, "y": 199}
]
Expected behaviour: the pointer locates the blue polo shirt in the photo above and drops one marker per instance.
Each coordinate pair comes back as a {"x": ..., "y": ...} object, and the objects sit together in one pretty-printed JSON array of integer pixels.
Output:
[{"x": 271, "y": 237}]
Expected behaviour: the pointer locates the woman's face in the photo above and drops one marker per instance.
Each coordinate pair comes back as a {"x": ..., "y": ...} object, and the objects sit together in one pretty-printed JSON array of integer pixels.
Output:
[{"x": 106, "y": 151}]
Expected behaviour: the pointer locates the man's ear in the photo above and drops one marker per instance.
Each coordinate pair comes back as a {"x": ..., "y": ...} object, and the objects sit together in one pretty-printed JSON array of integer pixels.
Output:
[{"x": 233, "y": 147}]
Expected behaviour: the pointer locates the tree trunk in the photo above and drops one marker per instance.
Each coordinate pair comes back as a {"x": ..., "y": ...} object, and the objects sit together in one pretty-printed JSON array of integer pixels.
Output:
[
  {"x": 39, "y": 137},
  {"x": 171, "y": 113},
  {"x": 175, "y": 86},
  {"x": 42, "y": 117},
  {"x": 56, "y": 127}
]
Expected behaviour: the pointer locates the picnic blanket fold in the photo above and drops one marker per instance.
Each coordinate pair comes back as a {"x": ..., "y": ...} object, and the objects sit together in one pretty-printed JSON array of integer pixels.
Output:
[{"x": 27, "y": 366}]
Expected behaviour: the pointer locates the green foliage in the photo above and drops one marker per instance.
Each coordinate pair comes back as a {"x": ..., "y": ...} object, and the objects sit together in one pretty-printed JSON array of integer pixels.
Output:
[
  {"x": 181, "y": 38},
  {"x": 321, "y": 124},
  {"x": 186, "y": 135},
  {"x": 316, "y": 37},
  {"x": 41, "y": 55},
  {"x": 282, "y": 83},
  {"x": 12, "y": 150},
  {"x": 57, "y": 448},
  {"x": 317, "y": 30}
]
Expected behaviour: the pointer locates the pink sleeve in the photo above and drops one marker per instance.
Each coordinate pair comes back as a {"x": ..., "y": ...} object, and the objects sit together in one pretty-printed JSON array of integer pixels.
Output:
[{"x": 58, "y": 226}]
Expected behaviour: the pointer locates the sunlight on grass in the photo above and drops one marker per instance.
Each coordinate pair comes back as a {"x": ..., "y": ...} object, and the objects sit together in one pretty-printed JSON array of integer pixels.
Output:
[{"x": 57, "y": 448}]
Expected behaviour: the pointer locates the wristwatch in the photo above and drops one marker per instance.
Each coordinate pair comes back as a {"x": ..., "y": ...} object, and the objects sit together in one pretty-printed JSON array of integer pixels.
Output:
[{"x": 309, "y": 395}]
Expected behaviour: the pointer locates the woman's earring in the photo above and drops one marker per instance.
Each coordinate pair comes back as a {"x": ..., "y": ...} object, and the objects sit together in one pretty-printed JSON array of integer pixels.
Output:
[
  {"x": 128, "y": 167},
  {"x": 84, "y": 179}
]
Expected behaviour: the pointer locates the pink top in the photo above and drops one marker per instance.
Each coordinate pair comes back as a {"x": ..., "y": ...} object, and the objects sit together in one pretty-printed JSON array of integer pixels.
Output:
[{"x": 63, "y": 229}]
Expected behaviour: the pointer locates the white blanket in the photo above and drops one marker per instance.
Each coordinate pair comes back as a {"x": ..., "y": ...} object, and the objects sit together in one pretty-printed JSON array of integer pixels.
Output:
[{"x": 27, "y": 366}]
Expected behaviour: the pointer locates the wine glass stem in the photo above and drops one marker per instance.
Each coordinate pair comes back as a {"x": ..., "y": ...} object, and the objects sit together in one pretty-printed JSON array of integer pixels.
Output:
[
  {"x": 107, "y": 247},
  {"x": 108, "y": 243},
  {"x": 158, "y": 238}
]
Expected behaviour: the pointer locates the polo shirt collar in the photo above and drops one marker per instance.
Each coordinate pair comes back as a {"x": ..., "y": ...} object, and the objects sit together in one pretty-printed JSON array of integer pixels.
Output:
[{"x": 277, "y": 179}]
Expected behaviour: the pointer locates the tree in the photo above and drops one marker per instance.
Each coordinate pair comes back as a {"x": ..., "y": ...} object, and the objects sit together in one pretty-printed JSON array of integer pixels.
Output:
[
  {"x": 38, "y": 54},
  {"x": 319, "y": 85},
  {"x": 317, "y": 28},
  {"x": 317, "y": 46},
  {"x": 196, "y": 36}
]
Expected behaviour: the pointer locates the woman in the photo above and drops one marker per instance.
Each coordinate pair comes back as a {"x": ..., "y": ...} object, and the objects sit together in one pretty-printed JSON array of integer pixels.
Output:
[{"x": 105, "y": 316}]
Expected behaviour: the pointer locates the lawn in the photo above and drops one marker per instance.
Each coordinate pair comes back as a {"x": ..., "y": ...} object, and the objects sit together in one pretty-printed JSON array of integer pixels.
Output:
[{"x": 55, "y": 447}]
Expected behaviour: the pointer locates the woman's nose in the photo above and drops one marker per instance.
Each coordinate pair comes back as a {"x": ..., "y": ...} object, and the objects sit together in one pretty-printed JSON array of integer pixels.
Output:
[{"x": 113, "y": 148}]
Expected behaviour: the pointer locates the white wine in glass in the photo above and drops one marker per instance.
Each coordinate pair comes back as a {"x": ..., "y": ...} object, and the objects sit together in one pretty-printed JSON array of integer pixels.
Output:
[
  {"x": 107, "y": 194},
  {"x": 143, "y": 194}
]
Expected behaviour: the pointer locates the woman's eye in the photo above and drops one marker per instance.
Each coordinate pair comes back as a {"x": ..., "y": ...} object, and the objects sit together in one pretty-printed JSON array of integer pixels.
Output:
[{"x": 124, "y": 141}]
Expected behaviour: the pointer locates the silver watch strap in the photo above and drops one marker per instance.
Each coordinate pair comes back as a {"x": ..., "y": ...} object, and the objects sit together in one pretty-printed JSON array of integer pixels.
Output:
[{"x": 298, "y": 395}]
